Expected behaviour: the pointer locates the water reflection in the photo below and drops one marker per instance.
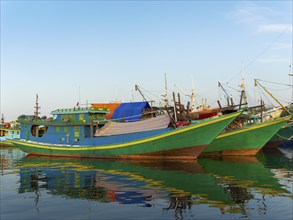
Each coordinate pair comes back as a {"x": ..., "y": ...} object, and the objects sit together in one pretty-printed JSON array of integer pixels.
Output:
[
  {"x": 227, "y": 184},
  {"x": 242, "y": 178},
  {"x": 119, "y": 181},
  {"x": 8, "y": 155}
]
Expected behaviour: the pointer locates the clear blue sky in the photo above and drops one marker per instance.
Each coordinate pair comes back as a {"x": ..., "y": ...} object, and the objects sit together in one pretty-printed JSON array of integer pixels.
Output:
[{"x": 96, "y": 51}]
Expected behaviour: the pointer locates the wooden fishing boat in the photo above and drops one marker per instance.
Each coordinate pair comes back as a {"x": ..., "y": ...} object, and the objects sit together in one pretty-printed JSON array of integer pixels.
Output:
[
  {"x": 284, "y": 135},
  {"x": 205, "y": 113},
  {"x": 245, "y": 141},
  {"x": 250, "y": 133},
  {"x": 72, "y": 133},
  {"x": 8, "y": 131}
]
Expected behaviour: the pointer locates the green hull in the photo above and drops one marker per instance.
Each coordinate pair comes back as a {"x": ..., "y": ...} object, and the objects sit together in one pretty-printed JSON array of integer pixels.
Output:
[
  {"x": 6, "y": 144},
  {"x": 181, "y": 143},
  {"x": 284, "y": 134},
  {"x": 245, "y": 141}
]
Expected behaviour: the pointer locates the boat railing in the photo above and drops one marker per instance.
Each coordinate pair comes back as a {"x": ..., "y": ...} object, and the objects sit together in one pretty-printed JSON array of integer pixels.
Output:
[
  {"x": 50, "y": 121},
  {"x": 79, "y": 109}
]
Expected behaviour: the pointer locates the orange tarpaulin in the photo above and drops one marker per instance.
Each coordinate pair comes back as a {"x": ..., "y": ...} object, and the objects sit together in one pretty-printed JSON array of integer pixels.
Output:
[{"x": 110, "y": 106}]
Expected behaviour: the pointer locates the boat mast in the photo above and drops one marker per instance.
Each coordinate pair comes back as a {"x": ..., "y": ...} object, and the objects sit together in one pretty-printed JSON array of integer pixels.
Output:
[
  {"x": 193, "y": 100},
  {"x": 36, "y": 113},
  {"x": 243, "y": 93},
  {"x": 257, "y": 82},
  {"x": 2, "y": 121},
  {"x": 192, "y": 97},
  {"x": 166, "y": 92}
]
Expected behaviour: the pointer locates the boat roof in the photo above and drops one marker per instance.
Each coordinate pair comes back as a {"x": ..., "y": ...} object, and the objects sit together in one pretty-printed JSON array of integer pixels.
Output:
[
  {"x": 110, "y": 106},
  {"x": 80, "y": 110},
  {"x": 130, "y": 111}
]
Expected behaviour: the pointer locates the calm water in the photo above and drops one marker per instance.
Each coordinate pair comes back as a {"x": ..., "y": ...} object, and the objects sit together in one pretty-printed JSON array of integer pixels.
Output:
[{"x": 231, "y": 188}]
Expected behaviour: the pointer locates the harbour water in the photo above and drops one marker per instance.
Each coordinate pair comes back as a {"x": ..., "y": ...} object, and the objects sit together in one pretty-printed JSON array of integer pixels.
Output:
[{"x": 209, "y": 188}]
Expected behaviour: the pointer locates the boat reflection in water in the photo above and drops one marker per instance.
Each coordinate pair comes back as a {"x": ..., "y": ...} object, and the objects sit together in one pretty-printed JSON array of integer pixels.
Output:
[
  {"x": 226, "y": 184},
  {"x": 8, "y": 155},
  {"x": 245, "y": 177},
  {"x": 120, "y": 181}
]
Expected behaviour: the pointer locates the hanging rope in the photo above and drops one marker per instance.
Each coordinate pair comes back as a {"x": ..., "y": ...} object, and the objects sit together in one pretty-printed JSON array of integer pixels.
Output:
[
  {"x": 261, "y": 53},
  {"x": 275, "y": 83}
]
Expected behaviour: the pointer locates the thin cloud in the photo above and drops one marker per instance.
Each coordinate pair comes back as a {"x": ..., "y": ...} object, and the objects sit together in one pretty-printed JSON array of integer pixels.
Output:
[
  {"x": 276, "y": 28},
  {"x": 259, "y": 18},
  {"x": 249, "y": 13},
  {"x": 274, "y": 59},
  {"x": 280, "y": 46}
]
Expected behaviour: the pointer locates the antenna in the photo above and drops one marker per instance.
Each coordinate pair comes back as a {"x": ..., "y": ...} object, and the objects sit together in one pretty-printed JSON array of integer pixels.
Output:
[{"x": 78, "y": 94}]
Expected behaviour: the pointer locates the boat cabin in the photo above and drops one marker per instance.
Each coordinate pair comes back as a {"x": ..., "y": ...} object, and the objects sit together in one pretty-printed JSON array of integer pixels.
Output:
[
  {"x": 67, "y": 126},
  {"x": 9, "y": 130}
]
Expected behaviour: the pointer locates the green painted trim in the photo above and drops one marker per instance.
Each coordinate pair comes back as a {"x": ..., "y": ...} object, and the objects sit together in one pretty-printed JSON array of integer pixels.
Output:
[{"x": 253, "y": 127}]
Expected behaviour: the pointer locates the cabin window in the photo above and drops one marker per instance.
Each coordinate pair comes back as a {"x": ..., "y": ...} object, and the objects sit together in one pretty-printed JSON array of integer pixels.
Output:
[
  {"x": 58, "y": 129},
  {"x": 65, "y": 129},
  {"x": 81, "y": 117},
  {"x": 76, "y": 131},
  {"x": 95, "y": 117},
  {"x": 67, "y": 118},
  {"x": 3, "y": 133},
  {"x": 38, "y": 130}
]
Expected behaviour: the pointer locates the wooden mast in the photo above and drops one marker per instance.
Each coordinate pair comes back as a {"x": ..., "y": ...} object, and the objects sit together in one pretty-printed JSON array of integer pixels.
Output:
[
  {"x": 2, "y": 121},
  {"x": 36, "y": 113},
  {"x": 166, "y": 92}
]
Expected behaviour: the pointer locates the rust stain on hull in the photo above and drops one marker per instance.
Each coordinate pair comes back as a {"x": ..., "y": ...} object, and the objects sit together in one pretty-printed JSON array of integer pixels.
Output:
[
  {"x": 188, "y": 153},
  {"x": 243, "y": 152}
]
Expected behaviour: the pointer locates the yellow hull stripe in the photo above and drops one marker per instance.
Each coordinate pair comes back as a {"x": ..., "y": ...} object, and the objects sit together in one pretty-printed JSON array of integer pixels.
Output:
[
  {"x": 181, "y": 130},
  {"x": 253, "y": 127}
]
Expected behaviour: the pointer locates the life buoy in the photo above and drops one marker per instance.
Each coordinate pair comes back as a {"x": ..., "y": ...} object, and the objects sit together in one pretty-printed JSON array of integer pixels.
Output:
[{"x": 7, "y": 125}]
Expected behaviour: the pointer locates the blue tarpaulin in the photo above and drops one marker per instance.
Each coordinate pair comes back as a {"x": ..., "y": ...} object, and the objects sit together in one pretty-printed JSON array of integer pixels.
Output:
[{"x": 131, "y": 111}]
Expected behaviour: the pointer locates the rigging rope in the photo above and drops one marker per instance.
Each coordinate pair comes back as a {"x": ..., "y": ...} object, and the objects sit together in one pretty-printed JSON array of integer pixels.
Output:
[
  {"x": 260, "y": 54},
  {"x": 275, "y": 83}
]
